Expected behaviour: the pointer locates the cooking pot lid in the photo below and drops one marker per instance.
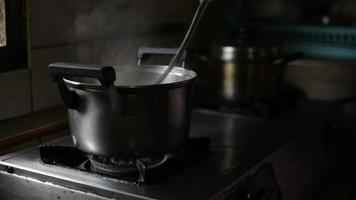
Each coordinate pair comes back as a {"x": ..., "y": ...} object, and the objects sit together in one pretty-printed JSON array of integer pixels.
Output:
[{"x": 138, "y": 76}]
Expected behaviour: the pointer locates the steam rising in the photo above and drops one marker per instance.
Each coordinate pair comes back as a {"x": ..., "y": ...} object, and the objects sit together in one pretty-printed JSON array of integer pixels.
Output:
[{"x": 117, "y": 28}]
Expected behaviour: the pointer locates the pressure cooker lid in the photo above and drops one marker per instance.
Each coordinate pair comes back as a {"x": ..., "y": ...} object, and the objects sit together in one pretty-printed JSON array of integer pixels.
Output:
[{"x": 138, "y": 76}]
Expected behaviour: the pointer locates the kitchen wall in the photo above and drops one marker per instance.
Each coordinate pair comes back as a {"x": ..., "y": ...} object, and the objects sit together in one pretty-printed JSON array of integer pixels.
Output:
[
  {"x": 109, "y": 32},
  {"x": 97, "y": 31}
]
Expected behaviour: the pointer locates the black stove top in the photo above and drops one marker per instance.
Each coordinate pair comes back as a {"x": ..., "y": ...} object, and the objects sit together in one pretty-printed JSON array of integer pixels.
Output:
[
  {"x": 131, "y": 171},
  {"x": 237, "y": 143}
]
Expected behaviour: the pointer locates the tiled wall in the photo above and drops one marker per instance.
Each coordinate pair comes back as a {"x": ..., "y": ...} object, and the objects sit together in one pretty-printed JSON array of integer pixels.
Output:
[{"x": 96, "y": 31}]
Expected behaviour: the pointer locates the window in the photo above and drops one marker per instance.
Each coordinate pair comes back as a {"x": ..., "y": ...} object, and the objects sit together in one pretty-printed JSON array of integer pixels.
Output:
[
  {"x": 15, "y": 85},
  {"x": 13, "y": 48},
  {"x": 2, "y": 24}
]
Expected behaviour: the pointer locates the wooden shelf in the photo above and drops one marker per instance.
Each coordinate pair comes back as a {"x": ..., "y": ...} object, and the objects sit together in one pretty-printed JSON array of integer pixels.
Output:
[{"x": 34, "y": 126}]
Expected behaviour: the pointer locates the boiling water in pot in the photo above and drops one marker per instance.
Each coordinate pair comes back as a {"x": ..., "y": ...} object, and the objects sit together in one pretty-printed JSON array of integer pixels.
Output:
[{"x": 129, "y": 76}]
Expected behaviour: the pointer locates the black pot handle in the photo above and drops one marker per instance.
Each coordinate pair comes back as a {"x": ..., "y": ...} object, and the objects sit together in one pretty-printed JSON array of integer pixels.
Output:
[{"x": 105, "y": 74}]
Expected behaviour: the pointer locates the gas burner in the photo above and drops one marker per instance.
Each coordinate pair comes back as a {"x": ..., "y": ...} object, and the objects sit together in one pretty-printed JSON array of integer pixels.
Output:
[
  {"x": 119, "y": 165},
  {"x": 131, "y": 168},
  {"x": 133, "y": 171}
]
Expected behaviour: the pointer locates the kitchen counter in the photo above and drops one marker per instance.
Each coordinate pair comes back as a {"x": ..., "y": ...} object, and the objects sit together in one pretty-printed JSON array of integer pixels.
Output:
[
  {"x": 32, "y": 129},
  {"x": 238, "y": 143}
]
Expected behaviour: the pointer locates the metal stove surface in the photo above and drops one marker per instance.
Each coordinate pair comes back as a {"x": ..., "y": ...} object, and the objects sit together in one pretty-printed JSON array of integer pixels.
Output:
[{"x": 237, "y": 144}]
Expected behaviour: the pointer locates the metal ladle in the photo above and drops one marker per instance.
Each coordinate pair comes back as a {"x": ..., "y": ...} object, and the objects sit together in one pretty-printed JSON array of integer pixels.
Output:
[{"x": 188, "y": 36}]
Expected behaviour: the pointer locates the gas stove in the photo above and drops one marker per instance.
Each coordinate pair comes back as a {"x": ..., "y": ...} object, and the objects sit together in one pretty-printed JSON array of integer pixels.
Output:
[
  {"x": 228, "y": 156},
  {"x": 126, "y": 170}
]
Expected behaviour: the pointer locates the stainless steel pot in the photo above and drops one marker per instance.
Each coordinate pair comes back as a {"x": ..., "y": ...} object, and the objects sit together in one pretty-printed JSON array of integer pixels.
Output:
[
  {"x": 118, "y": 112},
  {"x": 250, "y": 73}
]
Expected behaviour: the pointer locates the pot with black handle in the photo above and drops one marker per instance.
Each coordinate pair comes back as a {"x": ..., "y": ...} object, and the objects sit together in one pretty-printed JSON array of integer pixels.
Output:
[{"x": 120, "y": 112}]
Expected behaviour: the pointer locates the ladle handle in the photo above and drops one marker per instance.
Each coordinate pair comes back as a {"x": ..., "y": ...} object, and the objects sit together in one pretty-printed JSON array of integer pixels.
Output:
[{"x": 188, "y": 36}]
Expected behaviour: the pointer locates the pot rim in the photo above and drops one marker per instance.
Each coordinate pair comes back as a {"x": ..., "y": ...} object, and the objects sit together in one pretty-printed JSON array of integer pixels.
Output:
[{"x": 189, "y": 74}]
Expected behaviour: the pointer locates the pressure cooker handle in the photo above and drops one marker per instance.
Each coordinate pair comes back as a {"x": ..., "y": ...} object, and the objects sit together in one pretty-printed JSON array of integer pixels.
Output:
[
  {"x": 142, "y": 51},
  {"x": 105, "y": 74}
]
